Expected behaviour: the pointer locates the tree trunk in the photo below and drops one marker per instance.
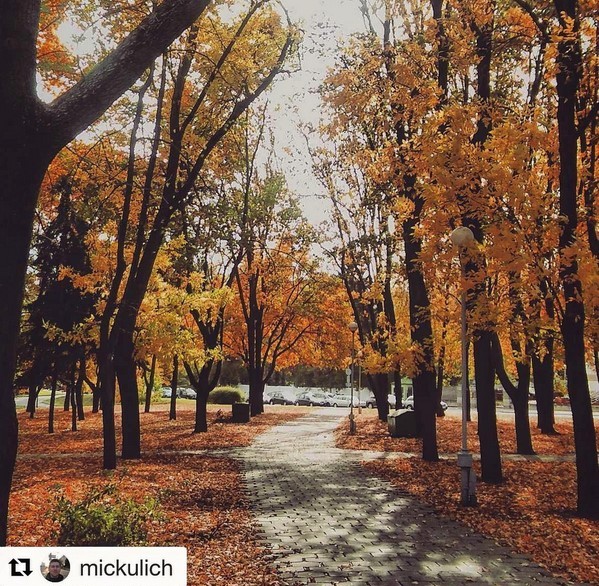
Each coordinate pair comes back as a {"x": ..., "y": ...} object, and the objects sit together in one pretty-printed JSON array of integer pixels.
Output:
[
  {"x": 569, "y": 63},
  {"x": 67, "y": 398},
  {"x": 201, "y": 419},
  {"x": 150, "y": 384},
  {"x": 518, "y": 395},
  {"x": 206, "y": 378},
  {"x": 123, "y": 332},
  {"x": 8, "y": 455},
  {"x": 52, "y": 401},
  {"x": 32, "y": 399},
  {"x": 21, "y": 170},
  {"x": 543, "y": 371},
  {"x": 254, "y": 323},
  {"x": 443, "y": 51},
  {"x": 425, "y": 407},
  {"x": 126, "y": 373},
  {"x": 96, "y": 398},
  {"x": 397, "y": 389},
  {"x": 543, "y": 376},
  {"x": 73, "y": 398},
  {"x": 22, "y": 166},
  {"x": 522, "y": 349},
  {"x": 379, "y": 383},
  {"x": 107, "y": 392},
  {"x": 419, "y": 303},
  {"x": 425, "y": 395},
  {"x": 484, "y": 374},
  {"x": 522, "y": 421},
  {"x": 79, "y": 388},
  {"x": 174, "y": 382},
  {"x": 256, "y": 391}
]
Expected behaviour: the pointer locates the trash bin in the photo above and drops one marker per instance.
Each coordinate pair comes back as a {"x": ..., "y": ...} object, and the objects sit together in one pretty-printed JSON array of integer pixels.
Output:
[
  {"x": 241, "y": 412},
  {"x": 402, "y": 423}
]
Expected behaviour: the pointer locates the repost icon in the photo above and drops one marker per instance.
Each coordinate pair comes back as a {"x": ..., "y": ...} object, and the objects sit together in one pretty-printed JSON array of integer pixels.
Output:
[{"x": 20, "y": 567}]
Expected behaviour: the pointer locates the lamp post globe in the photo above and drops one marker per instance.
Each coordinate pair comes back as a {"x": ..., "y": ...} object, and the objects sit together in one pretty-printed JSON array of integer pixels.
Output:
[{"x": 462, "y": 236}]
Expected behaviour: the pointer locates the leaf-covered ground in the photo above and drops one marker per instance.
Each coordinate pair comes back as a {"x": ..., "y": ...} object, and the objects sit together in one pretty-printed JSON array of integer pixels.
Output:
[
  {"x": 201, "y": 496},
  {"x": 205, "y": 510},
  {"x": 532, "y": 512},
  {"x": 157, "y": 432}
]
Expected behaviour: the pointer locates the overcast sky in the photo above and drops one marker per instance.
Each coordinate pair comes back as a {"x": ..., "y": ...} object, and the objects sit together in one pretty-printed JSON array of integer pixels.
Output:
[{"x": 324, "y": 23}]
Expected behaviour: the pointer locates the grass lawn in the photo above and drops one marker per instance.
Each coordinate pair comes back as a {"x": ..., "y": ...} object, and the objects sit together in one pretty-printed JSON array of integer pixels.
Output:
[
  {"x": 532, "y": 512},
  {"x": 201, "y": 496}
]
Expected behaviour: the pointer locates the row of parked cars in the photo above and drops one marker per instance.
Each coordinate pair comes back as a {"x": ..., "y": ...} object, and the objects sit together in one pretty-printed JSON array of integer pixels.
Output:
[
  {"x": 182, "y": 393},
  {"x": 323, "y": 399},
  {"x": 310, "y": 398}
]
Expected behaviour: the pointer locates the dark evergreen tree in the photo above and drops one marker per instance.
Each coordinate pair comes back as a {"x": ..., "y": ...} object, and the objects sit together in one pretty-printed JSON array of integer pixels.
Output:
[{"x": 58, "y": 303}]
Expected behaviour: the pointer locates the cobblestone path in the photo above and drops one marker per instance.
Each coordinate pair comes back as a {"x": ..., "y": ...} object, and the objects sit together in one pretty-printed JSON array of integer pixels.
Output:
[{"x": 330, "y": 522}]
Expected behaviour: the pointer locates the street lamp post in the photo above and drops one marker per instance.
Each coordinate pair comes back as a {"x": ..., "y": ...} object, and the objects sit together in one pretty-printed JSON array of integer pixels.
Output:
[
  {"x": 360, "y": 356},
  {"x": 462, "y": 237},
  {"x": 353, "y": 326}
]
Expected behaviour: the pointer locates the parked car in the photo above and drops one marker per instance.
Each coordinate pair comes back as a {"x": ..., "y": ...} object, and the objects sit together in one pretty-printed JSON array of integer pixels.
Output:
[
  {"x": 278, "y": 398},
  {"x": 342, "y": 400},
  {"x": 167, "y": 392},
  {"x": 408, "y": 403},
  {"x": 312, "y": 398},
  {"x": 186, "y": 393},
  {"x": 370, "y": 402}
]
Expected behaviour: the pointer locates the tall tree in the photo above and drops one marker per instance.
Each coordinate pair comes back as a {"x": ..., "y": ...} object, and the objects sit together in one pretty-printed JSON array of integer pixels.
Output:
[
  {"x": 425, "y": 394},
  {"x": 277, "y": 298},
  {"x": 33, "y": 132},
  {"x": 568, "y": 76},
  {"x": 52, "y": 332},
  {"x": 188, "y": 151},
  {"x": 364, "y": 259},
  {"x": 565, "y": 16},
  {"x": 389, "y": 123},
  {"x": 482, "y": 24},
  {"x": 215, "y": 228}
]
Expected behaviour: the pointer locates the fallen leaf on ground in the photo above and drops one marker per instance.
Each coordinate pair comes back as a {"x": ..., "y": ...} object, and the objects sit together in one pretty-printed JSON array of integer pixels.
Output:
[
  {"x": 533, "y": 511},
  {"x": 202, "y": 501}
]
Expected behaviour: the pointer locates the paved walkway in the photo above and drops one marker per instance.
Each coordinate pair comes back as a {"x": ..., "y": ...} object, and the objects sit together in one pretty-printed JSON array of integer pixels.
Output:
[{"x": 329, "y": 522}]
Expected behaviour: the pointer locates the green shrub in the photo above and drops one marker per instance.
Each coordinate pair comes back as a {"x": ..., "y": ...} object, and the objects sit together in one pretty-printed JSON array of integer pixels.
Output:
[
  {"x": 225, "y": 396},
  {"x": 102, "y": 518},
  {"x": 560, "y": 388}
]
